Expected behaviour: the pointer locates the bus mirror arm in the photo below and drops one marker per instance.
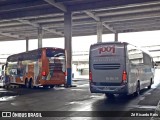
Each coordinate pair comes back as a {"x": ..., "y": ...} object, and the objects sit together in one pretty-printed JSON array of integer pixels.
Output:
[{"x": 155, "y": 65}]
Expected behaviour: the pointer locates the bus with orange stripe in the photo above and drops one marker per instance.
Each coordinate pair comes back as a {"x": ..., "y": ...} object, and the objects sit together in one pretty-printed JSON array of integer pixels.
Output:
[
  {"x": 41, "y": 67},
  {"x": 119, "y": 68}
]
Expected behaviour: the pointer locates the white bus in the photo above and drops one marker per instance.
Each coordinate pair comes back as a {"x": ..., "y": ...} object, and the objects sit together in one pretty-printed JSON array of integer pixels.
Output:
[
  {"x": 119, "y": 68},
  {"x": 2, "y": 75}
]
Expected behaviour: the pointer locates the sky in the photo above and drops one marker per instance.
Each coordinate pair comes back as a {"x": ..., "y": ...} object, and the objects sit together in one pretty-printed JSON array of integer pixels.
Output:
[{"x": 82, "y": 43}]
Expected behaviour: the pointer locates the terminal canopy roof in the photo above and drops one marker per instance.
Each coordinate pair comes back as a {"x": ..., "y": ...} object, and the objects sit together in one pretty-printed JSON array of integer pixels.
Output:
[{"x": 22, "y": 18}]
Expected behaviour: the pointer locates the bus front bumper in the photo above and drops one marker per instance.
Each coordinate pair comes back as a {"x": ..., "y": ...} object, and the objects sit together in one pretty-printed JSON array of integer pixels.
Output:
[{"x": 109, "y": 89}]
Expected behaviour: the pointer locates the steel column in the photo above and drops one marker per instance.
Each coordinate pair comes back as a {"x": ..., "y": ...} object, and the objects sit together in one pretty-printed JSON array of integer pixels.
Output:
[
  {"x": 99, "y": 31},
  {"x": 116, "y": 37},
  {"x": 40, "y": 36},
  {"x": 68, "y": 44},
  {"x": 27, "y": 44}
]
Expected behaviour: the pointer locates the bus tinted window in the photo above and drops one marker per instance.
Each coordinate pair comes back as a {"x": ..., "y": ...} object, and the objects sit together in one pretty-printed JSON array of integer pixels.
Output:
[
  {"x": 35, "y": 54},
  {"x": 55, "y": 53},
  {"x": 147, "y": 59},
  {"x": 135, "y": 55}
]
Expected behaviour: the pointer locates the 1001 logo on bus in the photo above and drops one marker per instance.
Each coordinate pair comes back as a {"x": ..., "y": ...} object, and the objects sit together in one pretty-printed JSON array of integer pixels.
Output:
[{"x": 110, "y": 49}]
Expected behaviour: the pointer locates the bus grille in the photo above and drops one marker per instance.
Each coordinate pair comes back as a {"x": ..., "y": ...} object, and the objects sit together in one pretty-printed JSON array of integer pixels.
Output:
[{"x": 106, "y": 66}]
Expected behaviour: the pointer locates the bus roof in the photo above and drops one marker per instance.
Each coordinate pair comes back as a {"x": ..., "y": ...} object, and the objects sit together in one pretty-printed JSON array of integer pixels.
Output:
[
  {"x": 126, "y": 43},
  {"x": 14, "y": 57},
  {"x": 116, "y": 42}
]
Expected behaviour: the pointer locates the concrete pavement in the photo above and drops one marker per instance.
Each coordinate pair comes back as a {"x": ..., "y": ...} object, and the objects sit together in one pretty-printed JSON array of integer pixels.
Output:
[
  {"x": 152, "y": 98},
  {"x": 157, "y": 111},
  {"x": 79, "y": 99},
  {"x": 157, "y": 78}
]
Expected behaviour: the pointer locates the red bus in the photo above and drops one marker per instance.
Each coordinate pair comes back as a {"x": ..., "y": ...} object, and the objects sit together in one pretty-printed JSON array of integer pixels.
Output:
[{"x": 41, "y": 67}]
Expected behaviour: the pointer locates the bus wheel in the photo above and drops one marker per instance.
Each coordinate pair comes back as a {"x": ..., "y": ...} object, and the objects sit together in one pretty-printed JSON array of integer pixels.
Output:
[
  {"x": 45, "y": 86},
  {"x": 110, "y": 96},
  {"x": 137, "y": 89},
  {"x": 51, "y": 86},
  {"x": 26, "y": 84},
  {"x": 31, "y": 84},
  {"x": 149, "y": 87}
]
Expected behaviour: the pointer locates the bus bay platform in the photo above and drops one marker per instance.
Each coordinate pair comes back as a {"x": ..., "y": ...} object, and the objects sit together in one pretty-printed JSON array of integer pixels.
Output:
[{"x": 78, "y": 98}]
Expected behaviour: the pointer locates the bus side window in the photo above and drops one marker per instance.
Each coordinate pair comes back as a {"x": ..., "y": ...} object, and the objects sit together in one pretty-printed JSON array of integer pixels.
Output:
[
  {"x": 18, "y": 71},
  {"x": 135, "y": 55},
  {"x": 13, "y": 71},
  {"x": 147, "y": 59}
]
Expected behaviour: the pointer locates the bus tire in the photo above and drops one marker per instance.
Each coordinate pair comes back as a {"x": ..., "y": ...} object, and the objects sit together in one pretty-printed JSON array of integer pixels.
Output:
[
  {"x": 137, "y": 93},
  {"x": 51, "y": 86},
  {"x": 31, "y": 84},
  {"x": 26, "y": 83},
  {"x": 149, "y": 87},
  {"x": 110, "y": 96},
  {"x": 45, "y": 86}
]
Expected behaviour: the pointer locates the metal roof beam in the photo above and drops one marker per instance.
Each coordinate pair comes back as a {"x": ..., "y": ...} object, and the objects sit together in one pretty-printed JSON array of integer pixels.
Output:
[
  {"x": 10, "y": 35},
  {"x": 60, "y": 19},
  {"x": 139, "y": 29},
  {"x": 107, "y": 4},
  {"x": 139, "y": 21},
  {"x": 57, "y": 5},
  {"x": 53, "y": 31},
  {"x": 130, "y": 6},
  {"x": 62, "y": 1},
  {"x": 29, "y": 23},
  {"x": 108, "y": 27},
  {"x": 92, "y": 16},
  {"x": 135, "y": 26},
  {"x": 37, "y": 26},
  {"x": 125, "y": 11},
  {"x": 10, "y": 24},
  {"x": 99, "y": 20},
  {"x": 138, "y": 24},
  {"x": 131, "y": 17},
  {"x": 27, "y": 14},
  {"x": 53, "y": 25},
  {"x": 22, "y": 6}
]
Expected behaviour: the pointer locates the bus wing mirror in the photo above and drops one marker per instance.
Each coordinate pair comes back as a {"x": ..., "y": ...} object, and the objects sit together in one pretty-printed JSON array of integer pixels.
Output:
[
  {"x": 155, "y": 64},
  {"x": 2, "y": 67}
]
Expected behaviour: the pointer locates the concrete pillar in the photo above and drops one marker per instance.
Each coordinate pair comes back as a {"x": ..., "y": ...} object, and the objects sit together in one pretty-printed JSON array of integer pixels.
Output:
[
  {"x": 68, "y": 44},
  {"x": 27, "y": 44},
  {"x": 116, "y": 37},
  {"x": 40, "y": 37},
  {"x": 99, "y": 31}
]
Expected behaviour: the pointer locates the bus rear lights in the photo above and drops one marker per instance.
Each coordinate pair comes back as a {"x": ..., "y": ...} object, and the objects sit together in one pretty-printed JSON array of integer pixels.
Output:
[
  {"x": 65, "y": 73},
  {"x": 124, "y": 77},
  {"x": 90, "y": 76},
  {"x": 43, "y": 73}
]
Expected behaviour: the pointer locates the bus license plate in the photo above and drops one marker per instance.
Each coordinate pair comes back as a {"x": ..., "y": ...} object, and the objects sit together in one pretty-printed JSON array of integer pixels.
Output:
[{"x": 105, "y": 88}]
